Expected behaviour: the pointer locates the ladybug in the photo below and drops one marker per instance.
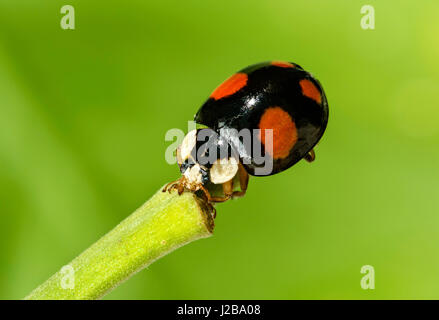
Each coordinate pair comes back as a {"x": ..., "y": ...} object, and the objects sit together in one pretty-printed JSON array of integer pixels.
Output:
[{"x": 259, "y": 122}]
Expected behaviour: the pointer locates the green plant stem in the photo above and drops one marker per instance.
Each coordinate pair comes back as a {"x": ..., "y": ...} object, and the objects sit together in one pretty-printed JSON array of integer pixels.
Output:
[{"x": 161, "y": 225}]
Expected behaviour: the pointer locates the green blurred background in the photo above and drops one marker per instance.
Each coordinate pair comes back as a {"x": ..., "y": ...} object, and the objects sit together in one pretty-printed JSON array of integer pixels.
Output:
[{"x": 83, "y": 116}]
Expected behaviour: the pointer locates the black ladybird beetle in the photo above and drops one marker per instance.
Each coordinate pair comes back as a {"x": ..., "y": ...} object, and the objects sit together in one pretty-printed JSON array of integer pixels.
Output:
[{"x": 277, "y": 97}]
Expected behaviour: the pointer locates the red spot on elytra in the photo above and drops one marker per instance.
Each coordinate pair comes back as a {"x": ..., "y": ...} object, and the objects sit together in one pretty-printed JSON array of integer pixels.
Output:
[
  {"x": 282, "y": 64},
  {"x": 310, "y": 90},
  {"x": 284, "y": 132},
  {"x": 230, "y": 86}
]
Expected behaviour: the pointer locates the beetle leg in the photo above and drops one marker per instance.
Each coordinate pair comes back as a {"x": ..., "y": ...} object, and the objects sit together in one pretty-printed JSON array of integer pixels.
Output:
[
  {"x": 206, "y": 192},
  {"x": 167, "y": 187},
  {"x": 310, "y": 156},
  {"x": 177, "y": 184},
  {"x": 172, "y": 187},
  {"x": 219, "y": 199},
  {"x": 228, "y": 188},
  {"x": 180, "y": 189},
  {"x": 243, "y": 182}
]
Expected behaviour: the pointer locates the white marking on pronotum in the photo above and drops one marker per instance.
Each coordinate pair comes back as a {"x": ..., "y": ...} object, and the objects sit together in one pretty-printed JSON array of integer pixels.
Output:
[
  {"x": 223, "y": 170},
  {"x": 193, "y": 174}
]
